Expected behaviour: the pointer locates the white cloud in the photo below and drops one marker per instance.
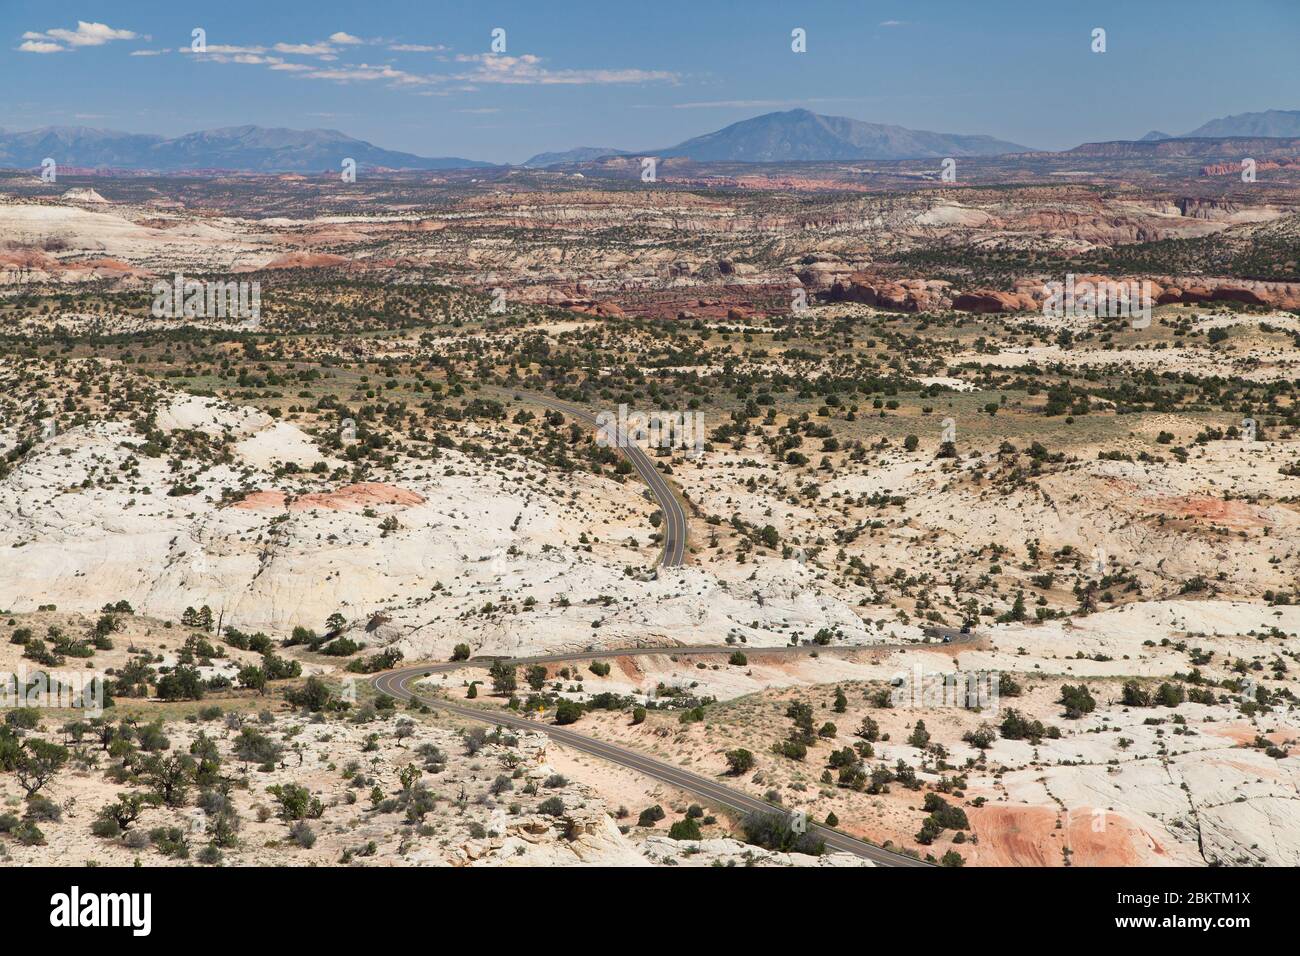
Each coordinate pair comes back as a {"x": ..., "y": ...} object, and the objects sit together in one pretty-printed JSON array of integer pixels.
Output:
[
  {"x": 40, "y": 46},
  {"x": 86, "y": 34},
  {"x": 364, "y": 72},
  {"x": 527, "y": 69},
  {"x": 304, "y": 49},
  {"x": 147, "y": 52},
  {"x": 235, "y": 54},
  {"x": 91, "y": 34},
  {"x": 481, "y": 68},
  {"x": 732, "y": 104},
  {"x": 220, "y": 48},
  {"x": 344, "y": 39},
  {"x": 498, "y": 59}
]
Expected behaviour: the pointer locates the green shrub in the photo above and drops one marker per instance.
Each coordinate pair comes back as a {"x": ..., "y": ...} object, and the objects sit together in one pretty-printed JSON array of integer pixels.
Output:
[
  {"x": 650, "y": 816},
  {"x": 687, "y": 829}
]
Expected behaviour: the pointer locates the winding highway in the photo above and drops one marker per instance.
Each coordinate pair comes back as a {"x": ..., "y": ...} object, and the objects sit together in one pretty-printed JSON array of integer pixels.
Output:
[
  {"x": 674, "y": 549},
  {"x": 397, "y": 683}
]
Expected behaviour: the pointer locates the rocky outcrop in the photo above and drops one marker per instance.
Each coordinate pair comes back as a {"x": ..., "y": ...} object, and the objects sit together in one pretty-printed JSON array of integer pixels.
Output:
[
  {"x": 921, "y": 295},
  {"x": 1232, "y": 169},
  {"x": 1165, "y": 290},
  {"x": 591, "y": 307},
  {"x": 1176, "y": 289},
  {"x": 80, "y": 194},
  {"x": 903, "y": 295},
  {"x": 728, "y": 852},
  {"x": 984, "y": 300},
  {"x": 820, "y": 276},
  {"x": 307, "y": 260}
]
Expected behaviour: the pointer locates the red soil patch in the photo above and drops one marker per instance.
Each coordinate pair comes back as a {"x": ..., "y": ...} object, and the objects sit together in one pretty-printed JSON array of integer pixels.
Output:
[
  {"x": 631, "y": 669},
  {"x": 262, "y": 501},
  {"x": 22, "y": 256},
  {"x": 1245, "y": 734},
  {"x": 1237, "y": 514},
  {"x": 108, "y": 265},
  {"x": 348, "y": 498},
  {"x": 1028, "y": 836},
  {"x": 306, "y": 260}
]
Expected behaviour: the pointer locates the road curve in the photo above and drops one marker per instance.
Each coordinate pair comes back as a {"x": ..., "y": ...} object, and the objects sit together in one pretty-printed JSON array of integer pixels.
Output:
[
  {"x": 396, "y": 683},
  {"x": 674, "y": 549}
]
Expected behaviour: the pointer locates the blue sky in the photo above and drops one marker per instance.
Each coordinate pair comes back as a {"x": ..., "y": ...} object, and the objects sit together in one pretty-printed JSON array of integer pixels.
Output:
[{"x": 420, "y": 76}]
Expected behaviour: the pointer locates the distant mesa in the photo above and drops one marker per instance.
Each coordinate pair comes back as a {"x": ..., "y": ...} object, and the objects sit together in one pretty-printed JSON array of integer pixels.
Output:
[
  {"x": 582, "y": 154},
  {"x": 84, "y": 195},
  {"x": 1235, "y": 168},
  {"x": 1176, "y": 147}
]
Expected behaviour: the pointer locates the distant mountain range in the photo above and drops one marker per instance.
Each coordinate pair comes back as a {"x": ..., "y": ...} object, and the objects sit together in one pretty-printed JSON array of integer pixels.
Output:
[
  {"x": 253, "y": 148},
  {"x": 581, "y": 154},
  {"x": 791, "y": 136},
  {"x": 805, "y": 136},
  {"x": 1275, "y": 124}
]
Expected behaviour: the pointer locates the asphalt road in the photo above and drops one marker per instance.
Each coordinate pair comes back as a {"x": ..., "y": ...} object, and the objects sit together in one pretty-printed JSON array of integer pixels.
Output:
[
  {"x": 396, "y": 683},
  {"x": 674, "y": 549}
]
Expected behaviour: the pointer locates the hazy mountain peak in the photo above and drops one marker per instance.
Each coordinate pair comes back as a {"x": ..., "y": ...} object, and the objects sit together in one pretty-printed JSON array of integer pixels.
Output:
[
  {"x": 579, "y": 154},
  {"x": 246, "y": 147},
  {"x": 800, "y": 135},
  {"x": 1271, "y": 123}
]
